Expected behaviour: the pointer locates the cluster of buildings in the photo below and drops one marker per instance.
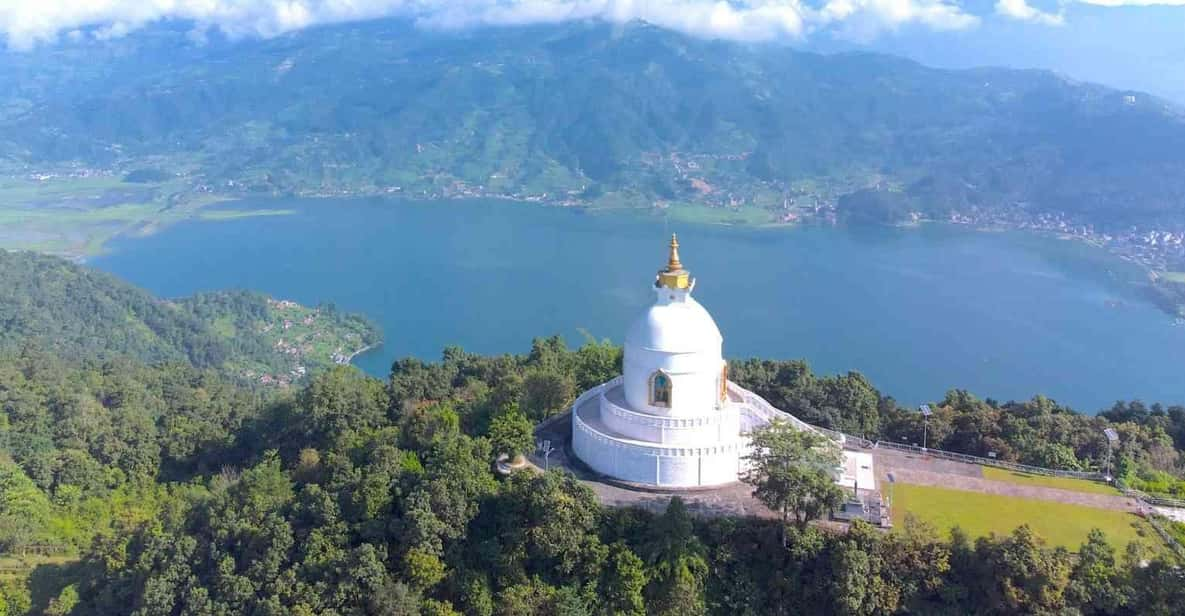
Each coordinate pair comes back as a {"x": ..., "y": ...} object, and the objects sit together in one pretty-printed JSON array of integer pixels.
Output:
[{"x": 1158, "y": 249}]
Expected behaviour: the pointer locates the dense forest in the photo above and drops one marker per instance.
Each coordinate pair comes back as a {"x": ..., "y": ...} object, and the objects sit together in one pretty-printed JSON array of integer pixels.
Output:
[
  {"x": 169, "y": 490},
  {"x": 75, "y": 311},
  {"x": 139, "y": 477},
  {"x": 593, "y": 112}
]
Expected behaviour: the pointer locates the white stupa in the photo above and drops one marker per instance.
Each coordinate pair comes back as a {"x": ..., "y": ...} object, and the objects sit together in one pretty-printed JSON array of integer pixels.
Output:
[{"x": 673, "y": 419}]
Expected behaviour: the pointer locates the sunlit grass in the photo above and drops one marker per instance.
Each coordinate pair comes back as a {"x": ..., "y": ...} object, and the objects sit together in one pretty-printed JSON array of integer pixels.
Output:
[
  {"x": 1061, "y": 483},
  {"x": 980, "y": 515}
]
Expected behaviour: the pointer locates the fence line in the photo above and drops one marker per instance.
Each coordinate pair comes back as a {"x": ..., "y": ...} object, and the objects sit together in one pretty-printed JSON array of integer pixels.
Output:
[
  {"x": 1153, "y": 518},
  {"x": 1149, "y": 498},
  {"x": 1012, "y": 466},
  {"x": 1145, "y": 501}
]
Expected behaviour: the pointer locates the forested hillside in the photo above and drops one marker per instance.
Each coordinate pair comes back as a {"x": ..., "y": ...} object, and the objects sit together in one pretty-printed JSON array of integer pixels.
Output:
[
  {"x": 588, "y": 113},
  {"x": 76, "y": 312},
  {"x": 169, "y": 491}
]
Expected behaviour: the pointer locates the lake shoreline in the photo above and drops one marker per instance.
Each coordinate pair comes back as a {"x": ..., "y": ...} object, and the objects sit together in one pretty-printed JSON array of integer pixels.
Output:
[
  {"x": 1146, "y": 289},
  {"x": 918, "y": 312}
]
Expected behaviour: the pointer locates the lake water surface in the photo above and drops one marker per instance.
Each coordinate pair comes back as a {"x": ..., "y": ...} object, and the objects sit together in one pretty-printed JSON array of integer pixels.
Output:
[{"x": 919, "y": 311}]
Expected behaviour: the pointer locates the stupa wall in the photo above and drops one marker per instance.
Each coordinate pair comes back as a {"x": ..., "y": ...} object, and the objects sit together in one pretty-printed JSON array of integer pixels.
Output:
[
  {"x": 656, "y": 465},
  {"x": 695, "y": 381},
  {"x": 717, "y": 425}
]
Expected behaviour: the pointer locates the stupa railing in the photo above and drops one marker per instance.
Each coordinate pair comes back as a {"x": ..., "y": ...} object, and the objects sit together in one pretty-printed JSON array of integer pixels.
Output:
[{"x": 764, "y": 410}]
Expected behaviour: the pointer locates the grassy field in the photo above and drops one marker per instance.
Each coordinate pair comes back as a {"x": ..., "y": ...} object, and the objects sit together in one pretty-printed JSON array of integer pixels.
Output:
[
  {"x": 1062, "y": 483},
  {"x": 983, "y": 514}
]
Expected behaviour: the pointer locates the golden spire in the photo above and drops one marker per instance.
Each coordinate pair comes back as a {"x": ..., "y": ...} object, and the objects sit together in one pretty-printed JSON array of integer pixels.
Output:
[
  {"x": 674, "y": 276},
  {"x": 673, "y": 265}
]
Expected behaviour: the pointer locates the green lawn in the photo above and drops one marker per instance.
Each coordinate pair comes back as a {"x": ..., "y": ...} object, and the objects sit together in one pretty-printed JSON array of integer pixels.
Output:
[
  {"x": 1063, "y": 483},
  {"x": 983, "y": 514}
]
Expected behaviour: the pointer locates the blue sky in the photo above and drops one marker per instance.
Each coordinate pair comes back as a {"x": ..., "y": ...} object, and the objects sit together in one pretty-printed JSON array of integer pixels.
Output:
[
  {"x": 1136, "y": 47},
  {"x": 1136, "y": 44}
]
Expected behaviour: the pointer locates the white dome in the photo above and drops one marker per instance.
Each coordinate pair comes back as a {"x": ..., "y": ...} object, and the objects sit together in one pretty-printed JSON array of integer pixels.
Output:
[{"x": 675, "y": 327}]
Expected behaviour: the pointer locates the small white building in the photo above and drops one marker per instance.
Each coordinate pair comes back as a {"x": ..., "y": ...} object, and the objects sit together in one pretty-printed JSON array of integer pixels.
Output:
[{"x": 673, "y": 419}]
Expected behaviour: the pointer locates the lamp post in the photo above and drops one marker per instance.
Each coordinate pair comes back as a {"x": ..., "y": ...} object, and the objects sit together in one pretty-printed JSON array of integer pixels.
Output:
[
  {"x": 1112, "y": 438},
  {"x": 925, "y": 408},
  {"x": 544, "y": 447}
]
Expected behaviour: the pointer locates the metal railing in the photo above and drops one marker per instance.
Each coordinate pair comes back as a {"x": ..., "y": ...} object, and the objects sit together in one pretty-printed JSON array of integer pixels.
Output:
[
  {"x": 969, "y": 459},
  {"x": 1144, "y": 500},
  {"x": 1151, "y": 499},
  {"x": 764, "y": 410},
  {"x": 768, "y": 412},
  {"x": 1154, "y": 518}
]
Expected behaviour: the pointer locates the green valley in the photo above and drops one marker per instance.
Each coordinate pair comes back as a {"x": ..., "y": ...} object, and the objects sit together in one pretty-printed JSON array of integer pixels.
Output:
[{"x": 579, "y": 115}]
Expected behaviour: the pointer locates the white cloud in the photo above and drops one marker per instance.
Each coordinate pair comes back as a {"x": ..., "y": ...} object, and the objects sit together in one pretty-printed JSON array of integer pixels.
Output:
[
  {"x": 864, "y": 19},
  {"x": 24, "y": 23},
  {"x": 1022, "y": 10}
]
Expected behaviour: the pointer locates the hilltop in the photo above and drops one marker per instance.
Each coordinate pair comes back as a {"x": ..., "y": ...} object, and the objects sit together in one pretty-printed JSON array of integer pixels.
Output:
[{"x": 78, "y": 313}]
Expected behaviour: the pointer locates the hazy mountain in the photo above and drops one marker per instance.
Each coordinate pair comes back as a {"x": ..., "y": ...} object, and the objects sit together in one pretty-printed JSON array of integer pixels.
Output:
[{"x": 636, "y": 112}]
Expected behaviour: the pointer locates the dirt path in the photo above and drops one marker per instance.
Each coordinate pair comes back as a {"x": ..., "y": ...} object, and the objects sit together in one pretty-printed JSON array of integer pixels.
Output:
[{"x": 913, "y": 469}]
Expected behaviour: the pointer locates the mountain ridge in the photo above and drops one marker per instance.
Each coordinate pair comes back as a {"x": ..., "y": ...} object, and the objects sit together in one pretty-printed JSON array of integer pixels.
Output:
[
  {"x": 82, "y": 314},
  {"x": 596, "y": 115}
]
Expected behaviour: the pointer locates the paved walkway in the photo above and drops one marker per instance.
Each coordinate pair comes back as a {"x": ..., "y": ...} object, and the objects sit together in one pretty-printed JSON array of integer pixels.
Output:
[
  {"x": 731, "y": 500},
  {"x": 737, "y": 500},
  {"x": 918, "y": 470}
]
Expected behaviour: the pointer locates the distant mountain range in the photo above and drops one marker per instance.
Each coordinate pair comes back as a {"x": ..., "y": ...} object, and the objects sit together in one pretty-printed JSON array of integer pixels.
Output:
[{"x": 589, "y": 113}]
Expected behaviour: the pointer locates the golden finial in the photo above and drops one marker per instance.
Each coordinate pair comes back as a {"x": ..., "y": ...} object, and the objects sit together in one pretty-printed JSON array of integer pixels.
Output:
[
  {"x": 673, "y": 265},
  {"x": 674, "y": 276}
]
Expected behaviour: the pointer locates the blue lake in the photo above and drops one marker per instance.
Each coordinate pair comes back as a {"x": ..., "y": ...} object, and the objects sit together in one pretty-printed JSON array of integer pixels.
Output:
[{"x": 919, "y": 311}]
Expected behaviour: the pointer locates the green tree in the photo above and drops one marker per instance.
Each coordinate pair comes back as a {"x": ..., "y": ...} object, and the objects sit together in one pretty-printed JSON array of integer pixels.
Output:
[
  {"x": 918, "y": 562},
  {"x": 420, "y": 426},
  {"x": 1159, "y": 589},
  {"x": 546, "y": 391},
  {"x": 623, "y": 580},
  {"x": 861, "y": 580},
  {"x": 24, "y": 509},
  {"x": 677, "y": 564},
  {"x": 547, "y": 526},
  {"x": 511, "y": 433},
  {"x": 423, "y": 568},
  {"x": 1093, "y": 588},
  {"x": 64, "y": 603},
  {"x": 532, "y": 598},
  {"x": 857, "y": 401},
  {"x": 596, "y": 362},
  {"x": 1019, "y": 575},
  {"x": 793, "y": 472},
  {"x": 342, "y": 399}
]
